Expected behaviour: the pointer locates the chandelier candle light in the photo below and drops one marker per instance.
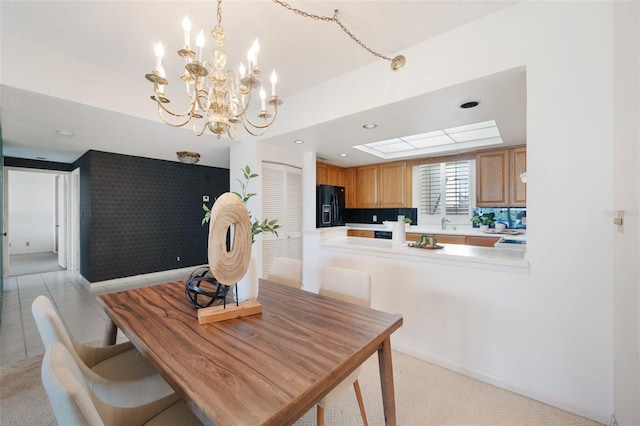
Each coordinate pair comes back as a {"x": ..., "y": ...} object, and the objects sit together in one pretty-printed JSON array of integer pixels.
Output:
[{"x": 219, "y": 98}]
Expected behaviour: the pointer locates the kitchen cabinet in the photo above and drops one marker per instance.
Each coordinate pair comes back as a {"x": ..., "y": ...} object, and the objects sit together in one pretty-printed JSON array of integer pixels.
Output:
[
  {"x": 351, "y": 187},
  {"x": 326, "y": 174},
  {"x": 498, "y": 181},
  {"x": 321, "y": 174},
  {"x": 518, "y": 164},
  {"x": 395, "y": 185},
  {"x": 458, "y": 239},
  {"x": 360, "y": 233},
  {"x": 482, "y": 241},
  {"x": 451, "y": 239},
  {"x": 385, "y": 185},
  {"x": 367, "y": 178}
]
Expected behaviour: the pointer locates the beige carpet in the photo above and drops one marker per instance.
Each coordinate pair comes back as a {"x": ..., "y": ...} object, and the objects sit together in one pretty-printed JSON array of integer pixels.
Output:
[{"x": 425, "y": 395}]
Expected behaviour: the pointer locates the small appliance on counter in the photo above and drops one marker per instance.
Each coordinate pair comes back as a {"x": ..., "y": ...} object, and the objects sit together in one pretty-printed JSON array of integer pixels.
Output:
[{"x": 329, "y": 206}]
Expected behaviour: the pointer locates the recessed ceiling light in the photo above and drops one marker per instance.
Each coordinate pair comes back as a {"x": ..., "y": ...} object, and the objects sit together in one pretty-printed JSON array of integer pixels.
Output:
[
  {"x": 65, "y": 133},
  {"x": 370, "y": 126},
  {"x": 298, "y": 141},
  {"x": 41, "y": 158},
  {"x": 471, "y": 104},
  {"x": 342, "y": 155}
]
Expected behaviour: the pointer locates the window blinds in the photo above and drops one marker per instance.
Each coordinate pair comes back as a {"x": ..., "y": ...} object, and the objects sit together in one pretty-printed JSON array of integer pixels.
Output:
[{"x": 444, "y": 184}]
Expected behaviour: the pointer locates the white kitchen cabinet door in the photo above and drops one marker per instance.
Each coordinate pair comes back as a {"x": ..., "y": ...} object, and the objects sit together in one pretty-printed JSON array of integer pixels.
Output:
[{"x": 282, "y": 200}]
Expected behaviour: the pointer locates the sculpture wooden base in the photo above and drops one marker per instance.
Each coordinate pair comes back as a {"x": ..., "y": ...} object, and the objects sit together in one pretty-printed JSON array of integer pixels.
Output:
[{"x": 219, "y": 313}]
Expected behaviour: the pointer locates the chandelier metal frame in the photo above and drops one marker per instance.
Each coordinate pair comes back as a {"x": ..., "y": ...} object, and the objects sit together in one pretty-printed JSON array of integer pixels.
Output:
[{"x": 220, "y": 98}]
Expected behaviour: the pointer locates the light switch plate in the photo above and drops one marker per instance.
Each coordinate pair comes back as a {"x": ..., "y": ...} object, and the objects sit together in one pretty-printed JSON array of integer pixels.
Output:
[{"x": 205, "y": 198}]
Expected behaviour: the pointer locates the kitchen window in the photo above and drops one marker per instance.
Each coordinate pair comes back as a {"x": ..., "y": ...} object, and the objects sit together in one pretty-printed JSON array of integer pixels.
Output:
[{"x": 444, "y": 190}]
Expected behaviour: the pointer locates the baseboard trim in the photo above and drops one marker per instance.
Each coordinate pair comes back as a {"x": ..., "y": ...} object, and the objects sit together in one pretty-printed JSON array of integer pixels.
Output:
[
  {"x": 591, "y": 414},
  {"x": 145, "y": 277}
]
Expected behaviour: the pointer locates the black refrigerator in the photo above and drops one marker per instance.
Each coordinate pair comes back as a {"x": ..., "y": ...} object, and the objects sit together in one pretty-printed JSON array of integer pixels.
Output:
[{"x": 329, "y": 206}]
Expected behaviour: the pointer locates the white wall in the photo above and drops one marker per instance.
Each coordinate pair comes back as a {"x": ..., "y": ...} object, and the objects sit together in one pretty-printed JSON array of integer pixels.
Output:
[
  {"x": 552, "y": 332},
  {"x": 31, "y": 212}
]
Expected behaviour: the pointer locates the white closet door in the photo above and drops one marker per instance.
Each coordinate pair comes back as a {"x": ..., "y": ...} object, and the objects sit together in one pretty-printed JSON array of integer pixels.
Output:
[
  {"x": 282, "y": 200},
  {"x": 294, "y": 213}
]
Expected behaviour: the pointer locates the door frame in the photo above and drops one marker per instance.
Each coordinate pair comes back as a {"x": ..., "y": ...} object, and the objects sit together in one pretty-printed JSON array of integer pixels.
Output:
[{"x": 72, "y": 229}]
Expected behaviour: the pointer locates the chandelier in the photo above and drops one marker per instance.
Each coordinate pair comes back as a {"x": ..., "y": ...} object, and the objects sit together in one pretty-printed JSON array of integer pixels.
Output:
[{"x": 219, "y": 98}]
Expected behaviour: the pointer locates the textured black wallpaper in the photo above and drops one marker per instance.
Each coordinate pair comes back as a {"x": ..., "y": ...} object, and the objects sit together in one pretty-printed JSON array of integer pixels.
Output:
[{"x": 138, "y": 215}]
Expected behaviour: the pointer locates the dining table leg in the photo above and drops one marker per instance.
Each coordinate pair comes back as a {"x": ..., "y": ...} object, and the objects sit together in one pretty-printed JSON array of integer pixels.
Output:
[
  {"x": 110, "y": 334},
  {"x": 386, "y": 381}
]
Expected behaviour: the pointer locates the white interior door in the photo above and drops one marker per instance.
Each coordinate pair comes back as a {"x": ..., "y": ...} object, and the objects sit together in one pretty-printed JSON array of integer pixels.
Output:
[
  {"x": 282, "y": 200},
  {"x": 74, "y": 243},
  {"x": 61, "y": 220}
]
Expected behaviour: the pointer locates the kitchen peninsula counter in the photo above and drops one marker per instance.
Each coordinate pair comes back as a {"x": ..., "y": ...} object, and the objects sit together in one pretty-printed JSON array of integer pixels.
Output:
[{"x": 452, "y": 254}]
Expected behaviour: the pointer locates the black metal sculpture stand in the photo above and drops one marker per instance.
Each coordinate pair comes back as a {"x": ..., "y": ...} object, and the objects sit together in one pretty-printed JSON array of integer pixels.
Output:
[{"x": 194, "y": 289}]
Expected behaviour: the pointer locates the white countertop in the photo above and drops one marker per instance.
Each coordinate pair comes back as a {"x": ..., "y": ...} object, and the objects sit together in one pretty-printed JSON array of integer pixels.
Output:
[{"x": 458, "y": 254}]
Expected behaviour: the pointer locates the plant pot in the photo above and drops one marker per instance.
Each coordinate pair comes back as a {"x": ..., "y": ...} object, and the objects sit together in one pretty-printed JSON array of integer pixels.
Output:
[{"x": 484, "y": 227}]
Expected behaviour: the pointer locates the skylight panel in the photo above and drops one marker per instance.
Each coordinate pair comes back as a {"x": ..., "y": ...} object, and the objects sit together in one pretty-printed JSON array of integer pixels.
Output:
[
  {"x": 468, "y": 136},
  {"x": 474, "y": 135}
]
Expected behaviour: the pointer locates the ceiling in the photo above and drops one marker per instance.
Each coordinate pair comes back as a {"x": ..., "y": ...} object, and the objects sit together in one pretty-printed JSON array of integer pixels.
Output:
[{"x": 118, "y": 37}]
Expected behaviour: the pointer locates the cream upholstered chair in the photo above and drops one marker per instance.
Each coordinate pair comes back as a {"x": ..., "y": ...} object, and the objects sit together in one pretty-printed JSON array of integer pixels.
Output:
[
  {"x": 351, "y": 286},
  {"x": 285, "y": 270},
  {"x": 117, "y": 362},
  {"x": 80, "y": 397}
]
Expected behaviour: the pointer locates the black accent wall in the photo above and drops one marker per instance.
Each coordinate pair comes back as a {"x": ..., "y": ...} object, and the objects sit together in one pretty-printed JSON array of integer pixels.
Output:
[{"x": 137, "y": 215}]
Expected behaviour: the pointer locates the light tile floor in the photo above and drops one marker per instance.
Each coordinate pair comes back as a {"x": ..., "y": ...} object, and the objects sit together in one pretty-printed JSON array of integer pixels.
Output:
[{"x": 76, "y": 303}]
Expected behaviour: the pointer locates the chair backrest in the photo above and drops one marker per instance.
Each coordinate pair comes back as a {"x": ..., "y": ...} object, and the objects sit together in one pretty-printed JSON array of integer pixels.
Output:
[
  {"x": 67, "y": 389},
  {"x": 350, "y": 285},
  {"x": 285, "y": 270},
  {"x": 51, "y": 327}
]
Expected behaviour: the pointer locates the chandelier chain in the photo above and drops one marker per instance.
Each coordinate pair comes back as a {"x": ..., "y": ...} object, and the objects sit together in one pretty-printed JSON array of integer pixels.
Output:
[
  {"x": 219, "y": 14},
  {"x": 335, "y": 19}
]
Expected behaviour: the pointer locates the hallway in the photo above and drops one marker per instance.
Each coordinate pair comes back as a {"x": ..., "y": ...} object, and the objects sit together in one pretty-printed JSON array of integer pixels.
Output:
[{"x": 33, "y": 263}]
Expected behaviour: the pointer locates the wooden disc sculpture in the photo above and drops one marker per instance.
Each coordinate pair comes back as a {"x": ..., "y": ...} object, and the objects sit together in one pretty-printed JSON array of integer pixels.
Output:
[{"x": 229, "y": 214}]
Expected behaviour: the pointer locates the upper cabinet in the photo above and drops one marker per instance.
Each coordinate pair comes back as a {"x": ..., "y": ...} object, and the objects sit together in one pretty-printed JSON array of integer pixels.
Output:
[
  {"x": 498, "y": 181},
  {"x": 518, "y": 159},
  {"x": 395, "y": 185},
  {"x": 326, "y": 174},
  {"x": 351, "y": 185},
  {"x": 367, "y": 183},
  {"x": 382, "y": 186}
]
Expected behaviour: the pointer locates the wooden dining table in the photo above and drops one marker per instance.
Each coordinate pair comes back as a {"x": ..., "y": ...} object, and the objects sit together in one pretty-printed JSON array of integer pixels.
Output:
[{"x": 270, "y": 368}]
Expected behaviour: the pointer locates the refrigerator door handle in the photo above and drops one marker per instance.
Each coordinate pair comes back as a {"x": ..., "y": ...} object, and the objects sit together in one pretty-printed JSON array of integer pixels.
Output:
[{"x": 335, "y": 209}]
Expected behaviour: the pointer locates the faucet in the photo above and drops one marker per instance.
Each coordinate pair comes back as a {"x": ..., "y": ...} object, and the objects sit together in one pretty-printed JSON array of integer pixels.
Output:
[{"x": 444, "y": 221}]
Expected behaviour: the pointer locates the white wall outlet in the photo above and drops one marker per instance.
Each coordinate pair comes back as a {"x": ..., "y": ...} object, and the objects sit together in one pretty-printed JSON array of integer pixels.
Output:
[
  {"x": 375, "y": 218},
  {"x": 177, "y": 258},
  {"x": 205, "y": 198}
]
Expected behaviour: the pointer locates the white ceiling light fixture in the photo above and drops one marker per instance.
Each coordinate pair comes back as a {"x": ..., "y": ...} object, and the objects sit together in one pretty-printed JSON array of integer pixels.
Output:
[
  {"x": 188, "y": 157},
  {"x": 219, "y": 98},
  {"x": 298, "y": 141},
  {"x": 369, "y": 126},
  {"x": 468, "y": 136},
  {"x": 63, "y": 132}
]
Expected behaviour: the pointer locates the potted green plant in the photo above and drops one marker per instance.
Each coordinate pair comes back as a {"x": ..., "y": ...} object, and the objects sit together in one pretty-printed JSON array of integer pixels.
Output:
[
  {"x": 484, "y": 220},
  {"x": 257, "y": 227}
]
